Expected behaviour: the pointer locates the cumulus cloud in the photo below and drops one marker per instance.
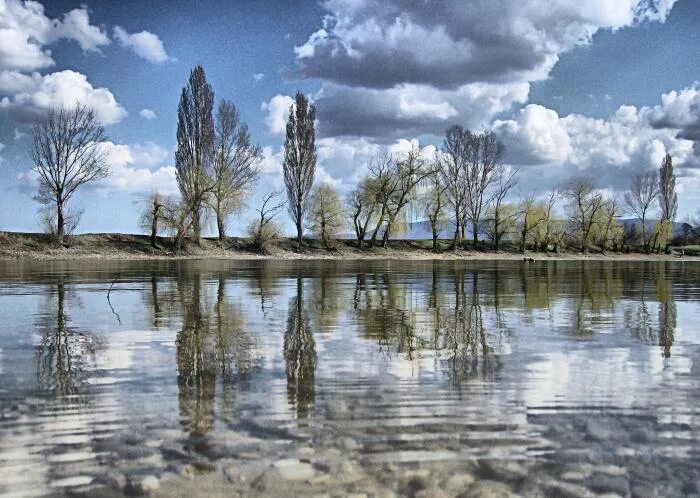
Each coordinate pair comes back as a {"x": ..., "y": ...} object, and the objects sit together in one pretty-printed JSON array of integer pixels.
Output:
[
  {"x": 132, "y": 169},
  {"x": 258, "y": 76},
  {"x": 277, "y": 112},
  {"x": 411, "y": 109},
  {"x": 402, "y": 67},
  {"x": 147, "y": 114},
  {"x": 611, "y": 149},
  {"x": 448, "y": 43},
  {"x": 28, "y": 97},
  {"x": 145, "y": 44},
  {"x": 25, "y": 30}
]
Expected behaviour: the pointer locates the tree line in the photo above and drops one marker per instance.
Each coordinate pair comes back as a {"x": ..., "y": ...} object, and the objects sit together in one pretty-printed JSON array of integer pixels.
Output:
[{"x": 465, "y": 187}]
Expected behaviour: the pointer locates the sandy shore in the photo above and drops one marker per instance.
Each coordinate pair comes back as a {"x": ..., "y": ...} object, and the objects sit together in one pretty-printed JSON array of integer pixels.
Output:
[{"x": 15, "y": 246}]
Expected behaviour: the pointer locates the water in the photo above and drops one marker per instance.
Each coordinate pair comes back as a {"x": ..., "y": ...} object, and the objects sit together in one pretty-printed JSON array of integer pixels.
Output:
[{"x": 550, "y": 376}]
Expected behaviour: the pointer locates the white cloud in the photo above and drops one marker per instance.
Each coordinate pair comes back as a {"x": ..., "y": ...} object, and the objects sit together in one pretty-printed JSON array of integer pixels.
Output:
[
  {"x": 610, "y": 150},
  {"x": 258, "y": 76},
  {"x": 19, "y": 135},
  {"x": 131, "y": 169},
  {"x": 145, "y": 44},
  {"x": 25, "y": 31},
  {"x": 40, "y": 93},
  {"x": 147, "y": 114},
  {"x": 277, "y": 112}
]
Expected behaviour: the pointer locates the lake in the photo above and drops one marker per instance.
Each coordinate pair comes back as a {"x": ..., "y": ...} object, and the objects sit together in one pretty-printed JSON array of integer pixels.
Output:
[{"x": 416, "y": 378}]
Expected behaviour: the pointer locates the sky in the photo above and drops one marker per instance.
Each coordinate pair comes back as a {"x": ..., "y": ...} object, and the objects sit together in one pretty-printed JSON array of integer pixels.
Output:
[{"x": 572, "y": 87}]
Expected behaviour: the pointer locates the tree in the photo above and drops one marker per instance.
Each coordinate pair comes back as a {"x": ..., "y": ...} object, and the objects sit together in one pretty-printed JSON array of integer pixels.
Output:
[
  {"x": 485, "y": 155},
  {"x": 452, "y": 171},
  {"x": 325, "y": 215},
  {"x": 668, "y": 199},
  {"x": 499, "y": 222},
  {"x": 585, "y": 203},
  {"x": 434, "y": 206},
  {"x": 362, "y": 202},
  {"x": 407, "y": 173},
  {"x": 263, "y": 230},
  {"x": 644, "y": 189},
  {"x": 299, "y": 164},
  {"x": 195, "y": 146},
  {"x": 153, "y": 213},
  {"x": 611, "y": 230},
  {"x": 67, "y": 153},
  {"x": 532, "y": 215},
  {"x": 551, "y": 224},
  {"x": 381, "y": 171},
  {"x": 235, "y": 164},
  {"x": 500, "y": 219}
]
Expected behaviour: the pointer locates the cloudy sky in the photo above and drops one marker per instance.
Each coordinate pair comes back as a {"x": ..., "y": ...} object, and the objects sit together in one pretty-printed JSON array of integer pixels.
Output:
[{"x": 573, "y": 87}]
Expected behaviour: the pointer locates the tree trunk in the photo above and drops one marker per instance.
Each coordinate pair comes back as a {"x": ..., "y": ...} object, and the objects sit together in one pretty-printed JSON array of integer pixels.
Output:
[
  {"x": 475, "y": 234},
  {"x": 220, "y": 224},
  {"x": 196, "y": 226},
  {"x": 300, "y": 232},
  {"x": 60, "y": 223},
  {"x": 154, "y": 230},
  {"x": 457, "y": 239},
  {"x": 385, "y": 236}
]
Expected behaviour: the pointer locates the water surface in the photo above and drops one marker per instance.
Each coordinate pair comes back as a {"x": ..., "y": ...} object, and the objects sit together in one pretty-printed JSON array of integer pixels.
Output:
[{"x": 112, "y": 371}]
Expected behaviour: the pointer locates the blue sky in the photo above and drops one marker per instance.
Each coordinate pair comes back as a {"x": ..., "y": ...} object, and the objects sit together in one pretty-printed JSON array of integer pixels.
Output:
[{"x": 572, "y": 87}]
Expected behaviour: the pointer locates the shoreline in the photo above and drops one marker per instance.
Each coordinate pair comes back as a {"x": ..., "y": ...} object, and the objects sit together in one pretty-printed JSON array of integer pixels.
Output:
[{"x": 126, "y": 247}]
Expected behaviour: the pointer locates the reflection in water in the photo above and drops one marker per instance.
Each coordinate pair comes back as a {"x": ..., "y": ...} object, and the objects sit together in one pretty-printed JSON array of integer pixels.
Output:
[
  {"x": 65, "y": 356},
  {"x": 196, "y": 365},
  {"x": 441, "y": 360},
  {"x": 300, "y": 355}
]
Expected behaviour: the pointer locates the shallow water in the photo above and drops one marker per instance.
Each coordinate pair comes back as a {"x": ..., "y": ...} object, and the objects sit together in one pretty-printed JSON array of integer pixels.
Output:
[{"x": 114, "y": 371}]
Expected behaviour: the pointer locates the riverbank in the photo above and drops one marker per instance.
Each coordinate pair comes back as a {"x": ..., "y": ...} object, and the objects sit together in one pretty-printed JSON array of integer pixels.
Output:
[{"x": 32, "y": 246}]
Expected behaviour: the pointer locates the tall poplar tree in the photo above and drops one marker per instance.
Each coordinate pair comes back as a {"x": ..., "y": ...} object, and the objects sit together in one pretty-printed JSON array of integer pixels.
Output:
[
  {"x": 299, "y": 160},
  {"x": 195, "y": 146}
]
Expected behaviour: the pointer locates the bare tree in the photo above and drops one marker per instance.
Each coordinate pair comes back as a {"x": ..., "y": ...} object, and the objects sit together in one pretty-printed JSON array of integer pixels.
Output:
[
  {"x": 155, "y": 212},
  {"x": 407, "y": 172},
  {"x": 643, "y": 191},
  {"x": 235, "y": 164},
  {"x": 263, "y": 230},
  {"x": 67, "y": 154},
  {"x": 195, "y": 146},
  {"x": 381, "y": 171},
  {"x": 485, "y": 156},
  {"x": 585, "y": 204},
  {"x": 434, "y": 206},
  {"x": 505, "y": 181},
  {"x": 325, "y": 214},
  {"x": 299, "y": 164},
  {"x": 452, "y": 171},
  {"x": 362, "y": 202}
]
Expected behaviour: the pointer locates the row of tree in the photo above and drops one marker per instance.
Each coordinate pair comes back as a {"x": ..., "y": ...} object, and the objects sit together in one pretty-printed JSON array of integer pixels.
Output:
[{"x": 465, "y": 185}]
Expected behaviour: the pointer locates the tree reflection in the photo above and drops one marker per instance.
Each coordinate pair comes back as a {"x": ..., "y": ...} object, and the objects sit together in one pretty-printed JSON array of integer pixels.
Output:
[
  {"x": 65, "y": 357},
  {"x": 212, "y": 347},
  {"x": 300, "y": 355},
  {"x": 667, "y": 312}
]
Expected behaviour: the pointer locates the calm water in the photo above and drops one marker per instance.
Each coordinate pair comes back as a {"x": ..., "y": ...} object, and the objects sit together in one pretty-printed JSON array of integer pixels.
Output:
[{"x": 132, "y": 369}]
